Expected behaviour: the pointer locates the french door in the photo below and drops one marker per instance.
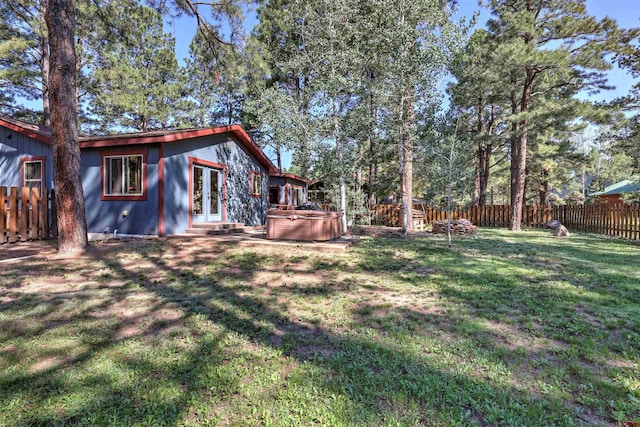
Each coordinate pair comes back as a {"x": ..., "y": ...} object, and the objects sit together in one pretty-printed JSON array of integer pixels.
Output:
[{"x": 206, "y": 197}]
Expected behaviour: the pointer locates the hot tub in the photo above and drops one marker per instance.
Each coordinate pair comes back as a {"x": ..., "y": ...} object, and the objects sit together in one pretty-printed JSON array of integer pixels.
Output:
[{"x": 304, "y": 225}]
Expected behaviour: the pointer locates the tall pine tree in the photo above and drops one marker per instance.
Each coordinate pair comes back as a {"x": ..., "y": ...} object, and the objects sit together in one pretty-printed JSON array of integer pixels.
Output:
[{"x": 546, "y": 45}]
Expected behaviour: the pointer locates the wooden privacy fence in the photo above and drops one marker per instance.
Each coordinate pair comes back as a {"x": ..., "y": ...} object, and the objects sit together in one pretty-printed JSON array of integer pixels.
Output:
[
  {"x": 621, "y": 220},
  {"x": 24, "y": 214}
]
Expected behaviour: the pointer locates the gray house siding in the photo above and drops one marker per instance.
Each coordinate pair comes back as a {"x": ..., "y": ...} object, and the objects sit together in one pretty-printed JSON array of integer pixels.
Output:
[
  {"x": 14, "y": 147},
  {"x": 138, "y": 217},
  {"x": 240, "y": 205}
]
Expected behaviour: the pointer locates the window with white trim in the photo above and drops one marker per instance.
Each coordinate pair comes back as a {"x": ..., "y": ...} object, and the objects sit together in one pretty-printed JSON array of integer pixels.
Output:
[
  {"x": 256, "y": 184},
  {"x": 123, "y": 175},
  {"x": 32, "y": 170}
]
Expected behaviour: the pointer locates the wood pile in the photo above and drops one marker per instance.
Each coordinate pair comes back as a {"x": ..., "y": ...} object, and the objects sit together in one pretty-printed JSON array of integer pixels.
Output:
[{"x": 458, "y": 226}]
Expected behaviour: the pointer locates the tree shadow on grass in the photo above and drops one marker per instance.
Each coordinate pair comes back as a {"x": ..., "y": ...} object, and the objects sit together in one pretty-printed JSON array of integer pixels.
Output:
[{"x": 365, "y": 378}]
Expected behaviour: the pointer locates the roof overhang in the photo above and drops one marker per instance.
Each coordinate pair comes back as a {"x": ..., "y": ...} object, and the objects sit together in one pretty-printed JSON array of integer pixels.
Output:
[
  {"x": 163, "y": 137},
  {"x": 39, "y": 133},
  {"x": 290, "y": 176}
]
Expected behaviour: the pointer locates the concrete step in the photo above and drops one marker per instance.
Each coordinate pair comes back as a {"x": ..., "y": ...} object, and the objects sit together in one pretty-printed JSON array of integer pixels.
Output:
[
  {"x": 217, "y": 229},
  {"x": 218, "y": 225}
]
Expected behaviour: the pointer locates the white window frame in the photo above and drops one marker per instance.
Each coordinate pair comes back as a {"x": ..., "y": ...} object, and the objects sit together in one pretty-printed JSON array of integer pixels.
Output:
[
  {"x": 255, "y": 176},
  {"x": 29, "y": 182},
  {"x": 108, "y": 184}
]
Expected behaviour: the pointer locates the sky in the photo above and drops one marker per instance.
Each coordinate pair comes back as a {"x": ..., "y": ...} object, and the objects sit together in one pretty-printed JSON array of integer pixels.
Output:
[{"x": 625, "y": 12}]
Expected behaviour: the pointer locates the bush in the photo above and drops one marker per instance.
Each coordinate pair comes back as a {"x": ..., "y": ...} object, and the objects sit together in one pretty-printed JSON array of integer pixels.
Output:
[
  {"x": 574, "y": 198},
  {"x": 555, "y": 200},
  {"x": 631, "y": 197}
]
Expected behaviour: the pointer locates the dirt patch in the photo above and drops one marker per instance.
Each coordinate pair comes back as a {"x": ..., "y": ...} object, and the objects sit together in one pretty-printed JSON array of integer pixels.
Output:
[
  {"x": 14, "y": 252},
  {"x": 377, "y": 231}
]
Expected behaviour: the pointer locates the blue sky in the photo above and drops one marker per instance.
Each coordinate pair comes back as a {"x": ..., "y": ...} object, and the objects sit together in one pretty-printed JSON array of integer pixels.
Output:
[{"x": 625, "y": 12}]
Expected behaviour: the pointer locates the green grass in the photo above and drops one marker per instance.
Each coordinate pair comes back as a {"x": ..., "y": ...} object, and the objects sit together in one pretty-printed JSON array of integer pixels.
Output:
[{"x": 504, "y": 329}]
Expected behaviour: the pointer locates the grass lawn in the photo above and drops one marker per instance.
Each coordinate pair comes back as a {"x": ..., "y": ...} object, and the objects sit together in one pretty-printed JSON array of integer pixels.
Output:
[{"x": 505, "y": 329}]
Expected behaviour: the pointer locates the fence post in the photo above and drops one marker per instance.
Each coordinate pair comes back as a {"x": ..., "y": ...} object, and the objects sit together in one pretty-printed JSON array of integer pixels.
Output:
[
  {"x": 43, "y": 231},
  {"x": 13, "y": 215},
  {"x": 24, "y": 214},
  {"x": 34, "y": 214}
]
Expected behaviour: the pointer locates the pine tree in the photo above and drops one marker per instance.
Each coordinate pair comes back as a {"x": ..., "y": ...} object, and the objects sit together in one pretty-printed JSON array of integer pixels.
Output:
[
  {"x": 481, "y": 104},
  {"x": 24, "y": 55},
  {"x": 72, "y": 225},
  {"x": 545, "y": 46},
  {"x": 137, "y": 79}
]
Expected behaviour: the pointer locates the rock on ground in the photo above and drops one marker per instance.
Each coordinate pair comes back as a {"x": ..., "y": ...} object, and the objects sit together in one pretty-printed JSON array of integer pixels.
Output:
[{"x": 561, "y": 231}]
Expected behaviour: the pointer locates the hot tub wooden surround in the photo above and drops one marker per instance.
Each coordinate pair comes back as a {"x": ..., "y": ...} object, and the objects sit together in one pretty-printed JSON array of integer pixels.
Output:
[{"x": 304, "y": 225}]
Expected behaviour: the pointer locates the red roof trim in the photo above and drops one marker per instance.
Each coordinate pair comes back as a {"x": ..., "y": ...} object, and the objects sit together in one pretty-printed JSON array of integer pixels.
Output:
[
  {"x": 175, "y": 136},
  {"x": 149, "y": 138},
  {"x": 38, "y": 136}
]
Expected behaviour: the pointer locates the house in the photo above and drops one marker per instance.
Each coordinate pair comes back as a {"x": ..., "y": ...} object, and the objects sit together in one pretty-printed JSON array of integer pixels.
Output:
[
  {"x": 611, "y": 194},
  {"x": 151, "y": 183},
  {"x": 286, "y": 189}
]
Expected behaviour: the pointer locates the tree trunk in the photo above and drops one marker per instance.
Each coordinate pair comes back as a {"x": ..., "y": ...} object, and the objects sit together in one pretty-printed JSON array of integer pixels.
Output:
[
  {"x": 408, "y": 183},
  {"x": 486, "y": 159},
  {"x": 279, "y": 159},
  {"x": 372, "y": 152},
  {"x": 543, "y": 189},
  {"x": 72, "y": 226},
  {"x": 406, "y": 154},
  {"x": 479, "y": 152},
  {"x": 519, "y": 161},
  {"x": 484, "y": 174},
  {"x": 514, "y": 154},
  {"x": 340, "y": 156},
  {"x": 45, "y": 67},
  {"x": 543, "y": 193},
  {"x": 476, "y": 181}
]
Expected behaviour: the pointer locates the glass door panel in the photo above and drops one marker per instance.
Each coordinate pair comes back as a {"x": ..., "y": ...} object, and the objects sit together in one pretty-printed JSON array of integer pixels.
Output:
[
  {"x": 198, "y": 190},
  {"x": 206, "y": 200},
  {"x": 214, "y": 198}
]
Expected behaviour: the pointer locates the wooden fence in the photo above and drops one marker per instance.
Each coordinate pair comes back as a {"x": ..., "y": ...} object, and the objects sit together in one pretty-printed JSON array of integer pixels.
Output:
[
  {"x": 620, "y": 220},
  {"x": 25, "y": 214}
]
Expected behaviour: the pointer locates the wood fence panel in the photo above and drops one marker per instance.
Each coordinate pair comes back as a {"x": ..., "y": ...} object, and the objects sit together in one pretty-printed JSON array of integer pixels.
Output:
[
  {"x": 612, "y": 220},
  {"x": 13, "y": 215},
  {"x": 44, "y": 216},
  {"x": 495, "y": 214},
  {"x": 34, "y": 215},
  {"x": 3, "y": 214},
  {"x": 24, "y": 214},
  {"x": 636, "y": 221}
]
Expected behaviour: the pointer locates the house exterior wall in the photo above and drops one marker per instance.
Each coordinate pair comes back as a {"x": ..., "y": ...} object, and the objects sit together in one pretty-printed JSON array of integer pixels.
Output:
[
  {"x": 141, "y": 216},
  {"x": 14, "y": 147},
  {"x": 279, "y": 181},
  {"x": 221, "y": 149},
  {"x": 285, "y": 187}
]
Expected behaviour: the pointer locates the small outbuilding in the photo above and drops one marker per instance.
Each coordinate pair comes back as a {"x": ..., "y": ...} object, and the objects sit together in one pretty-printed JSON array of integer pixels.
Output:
[
  {"x": 612, "y": 193},
  {"x": 287, "y": 190}
]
